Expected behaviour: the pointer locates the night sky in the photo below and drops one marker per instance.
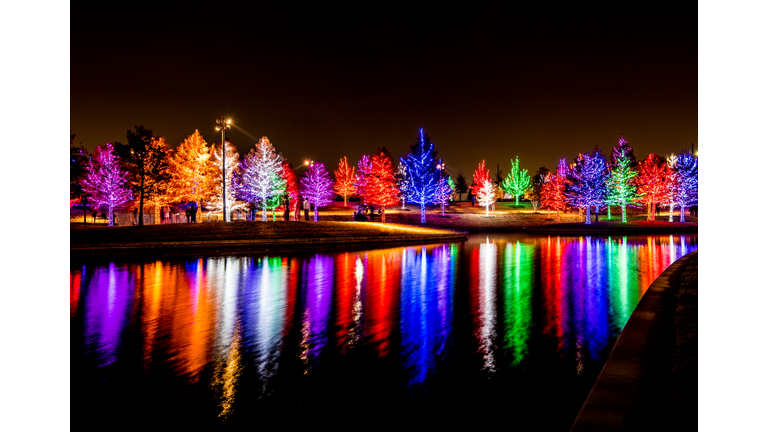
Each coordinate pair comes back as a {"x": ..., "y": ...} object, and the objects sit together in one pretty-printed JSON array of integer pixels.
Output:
[{"x": 484, "y": 83}]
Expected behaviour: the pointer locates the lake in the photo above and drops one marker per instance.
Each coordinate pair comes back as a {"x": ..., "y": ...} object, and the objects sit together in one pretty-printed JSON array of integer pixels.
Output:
[{"x": 501, "y": 330}]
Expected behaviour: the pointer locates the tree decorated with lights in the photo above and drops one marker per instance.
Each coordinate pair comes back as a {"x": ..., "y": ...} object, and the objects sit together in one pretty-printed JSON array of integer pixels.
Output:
[
  {"x": 147, "y": 158},
  {"x": 317, "y": 186},
  {"x": 291, "y": 182},
  {"x": 362, "y": 176},
  {"x": 686, "y": 178},
  {"x": 622, "y": 190},
  {"x": 423, "y": 174},
  {"x": 345, "y": 180},
  {"x": 380, "y": 186},
  {"x": 653, "y": 175},
  {"x": 403, "y": 182},
  {"x": 260, "y": 176},
  {"x": 672, "y": 186},
  {"x": 517, "y": 181},
  {"x": 483, "y": 186},
  {"x": 588, "y": 182},
  {"x": 233, "y": 164},
  {"x": 553, "y": 190},
  {"x": 444, "y": 189},
  {"x": 191, "y": 176},
  {"x": 106, "y": 180}
]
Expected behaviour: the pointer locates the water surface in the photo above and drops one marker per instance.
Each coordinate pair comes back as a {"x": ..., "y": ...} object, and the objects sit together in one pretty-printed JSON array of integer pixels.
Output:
[{"x": 504, "y": 330}]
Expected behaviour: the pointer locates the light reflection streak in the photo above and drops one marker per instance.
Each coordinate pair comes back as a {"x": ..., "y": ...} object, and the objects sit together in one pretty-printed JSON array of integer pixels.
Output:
[{"x": 487, "y": 291}]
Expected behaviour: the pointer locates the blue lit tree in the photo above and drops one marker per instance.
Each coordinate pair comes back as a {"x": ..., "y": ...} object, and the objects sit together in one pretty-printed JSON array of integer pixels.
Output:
[
  {"x": 588, "y": 182},
  {"x": 687, "y": 182},
  {"x": 423, "y": 175}
]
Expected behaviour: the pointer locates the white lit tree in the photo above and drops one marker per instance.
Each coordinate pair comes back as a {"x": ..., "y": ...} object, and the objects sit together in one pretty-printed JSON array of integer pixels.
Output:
[{"x": 259, "y": 179}]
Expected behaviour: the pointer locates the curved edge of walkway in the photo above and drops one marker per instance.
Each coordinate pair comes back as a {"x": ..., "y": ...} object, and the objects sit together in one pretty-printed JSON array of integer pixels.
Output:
[{"x": 627, "y": 394}]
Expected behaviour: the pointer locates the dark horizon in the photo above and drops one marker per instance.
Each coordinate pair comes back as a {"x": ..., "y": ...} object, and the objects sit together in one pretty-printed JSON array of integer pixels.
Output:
[{"x": 485, "y": 85}]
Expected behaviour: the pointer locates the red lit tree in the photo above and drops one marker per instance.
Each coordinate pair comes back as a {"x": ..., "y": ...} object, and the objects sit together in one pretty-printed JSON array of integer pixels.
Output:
[
  {"x": 107, "y": 181},
  {"x": 291, "y": 182},
  {"x": 483, "y": 186},
  {"x": 379, "y": 185},
  {"x": 345, "y": 180},
  {"x": 553, "y": 190},
  {"x": 654, "y": 173}
]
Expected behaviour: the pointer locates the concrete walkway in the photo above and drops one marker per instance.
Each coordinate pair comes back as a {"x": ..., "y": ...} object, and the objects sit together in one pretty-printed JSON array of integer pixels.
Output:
[{"x": 631, "y": 391}]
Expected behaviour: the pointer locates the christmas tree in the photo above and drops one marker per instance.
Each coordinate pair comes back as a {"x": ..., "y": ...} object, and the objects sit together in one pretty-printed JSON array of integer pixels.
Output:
[
  {"x": 259, "y": 178},
  {"x": 106, "y": 180},
  {"x": 588, "y": 182},
  {"x": 423, "y": 174}
]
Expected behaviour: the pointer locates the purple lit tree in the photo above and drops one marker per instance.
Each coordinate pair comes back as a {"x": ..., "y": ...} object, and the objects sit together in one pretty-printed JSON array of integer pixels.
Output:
[
  {"x": 422, "y": 173},
  {"x": 107, "y": 181},
  {"x": 317, "y": 186},
  {"x": 687, "y": 180},
  {"x": 588, "y": 182}
]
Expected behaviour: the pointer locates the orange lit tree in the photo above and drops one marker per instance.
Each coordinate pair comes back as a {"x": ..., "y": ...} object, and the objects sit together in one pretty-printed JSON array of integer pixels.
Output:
[
  {"x": 191, "y": 176},
  {"x": 345, "y": 180}
]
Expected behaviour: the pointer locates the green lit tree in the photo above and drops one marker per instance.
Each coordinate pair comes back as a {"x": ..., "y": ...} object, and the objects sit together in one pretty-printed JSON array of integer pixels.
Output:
[
  {"x": 517, "y": 181},
  {"x": 622, "y": 190}
]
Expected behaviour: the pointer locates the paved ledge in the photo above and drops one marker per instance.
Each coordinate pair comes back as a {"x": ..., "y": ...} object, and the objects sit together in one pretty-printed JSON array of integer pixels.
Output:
[
  {"x": 628, "y": 395},
  {"x": 615, "y": 228}
]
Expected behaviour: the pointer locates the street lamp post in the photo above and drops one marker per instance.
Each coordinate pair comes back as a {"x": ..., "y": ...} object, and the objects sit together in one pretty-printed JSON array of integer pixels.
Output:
[
  {"x": 223, "y": 126},
  {"x": 441, "y": 167}
]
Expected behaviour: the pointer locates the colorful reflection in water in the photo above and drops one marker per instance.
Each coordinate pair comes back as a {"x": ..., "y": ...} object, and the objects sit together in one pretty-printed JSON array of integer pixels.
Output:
[{"x": 508, "y": 324}]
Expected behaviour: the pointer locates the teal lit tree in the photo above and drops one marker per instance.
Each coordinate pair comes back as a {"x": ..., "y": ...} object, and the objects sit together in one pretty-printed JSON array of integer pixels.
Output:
[
  {"x": 423, "y": 173},
  {"x": 106, "y": 180},
  {"x": 588, "y": 182},
  {"x": 622, "y": 190},
  {"x": 517, "y": 181}
]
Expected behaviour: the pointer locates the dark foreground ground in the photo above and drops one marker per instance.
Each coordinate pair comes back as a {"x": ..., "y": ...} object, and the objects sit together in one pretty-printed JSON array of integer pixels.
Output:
[{"x": 650, "y": 381}]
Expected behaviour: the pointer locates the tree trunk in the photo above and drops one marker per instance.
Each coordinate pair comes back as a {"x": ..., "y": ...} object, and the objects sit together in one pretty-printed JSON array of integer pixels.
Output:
[
  {"x": 443, "y": 207},
  {"x": 597, "y": 212},
  {"x": 682, "y": 213},
  {"x": 624, "y": 214},
  {"x": 141, "y": 203},
  {"x": 109, "y": 215},
  {"x": 315, "y": 213},
  {"x": 589, "y": 217},
  {"x": 423, "y": 214},
  {"x": 486, "y": 209},
  {"x": 264, "y": 212},
  {"x": 558, "y": 216},
  {"x": 609, "y": 212},
  {"x": 345, "y": 200},
  {"x": 383, "y": 215},
  {"x": 671, "y": 211}
]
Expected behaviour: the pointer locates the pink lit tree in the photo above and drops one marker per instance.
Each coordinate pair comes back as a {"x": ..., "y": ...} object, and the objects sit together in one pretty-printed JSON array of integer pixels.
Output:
[
  {"x": 317, "y": 186},
  {"x": 106, "y": 180}
]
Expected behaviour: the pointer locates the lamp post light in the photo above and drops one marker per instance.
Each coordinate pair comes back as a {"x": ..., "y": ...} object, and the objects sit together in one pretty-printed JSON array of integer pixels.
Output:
[
  {"x": 223, "y": 126},
  {"x": 441, "y": 167}
]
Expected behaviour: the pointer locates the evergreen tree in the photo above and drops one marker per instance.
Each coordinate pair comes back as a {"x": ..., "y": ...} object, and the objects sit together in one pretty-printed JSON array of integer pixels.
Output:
[
  {"x": 461, "y": 184},
  {"x": 345, "y": 180},
  {"x": 106, "y": 180},
  {"x": 686, "y": 172},
  {"x": 588, "y": 185},
  {"x": 622, "y": 190},
  {"x": 317, "y": 186},
  {"x": 422, "y": 173},
  {"x": 517, "y": 182}
]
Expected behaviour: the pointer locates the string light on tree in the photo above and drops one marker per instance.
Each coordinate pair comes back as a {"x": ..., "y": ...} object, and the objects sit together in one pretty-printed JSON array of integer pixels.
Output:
[
  {"x": 106, "y": 180},
  {"x": 553, "y": 190},
  {"x": 483, "y": 186},
  {"x": 622, "y": 190},
  {"x": 517, "y": 181},
  {"x": 317, "y": 186},
  {"x": 345, "y": 180},
  {"x": 422, "y": 173}
]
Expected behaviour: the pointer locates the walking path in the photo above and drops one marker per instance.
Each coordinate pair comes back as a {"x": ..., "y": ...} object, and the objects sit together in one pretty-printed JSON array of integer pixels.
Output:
[{"x": 631, "y": 392}]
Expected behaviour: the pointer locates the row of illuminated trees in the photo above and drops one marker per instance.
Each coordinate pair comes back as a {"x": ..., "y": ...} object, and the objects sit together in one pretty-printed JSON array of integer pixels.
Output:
[{"x": 146, "y": 170}]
